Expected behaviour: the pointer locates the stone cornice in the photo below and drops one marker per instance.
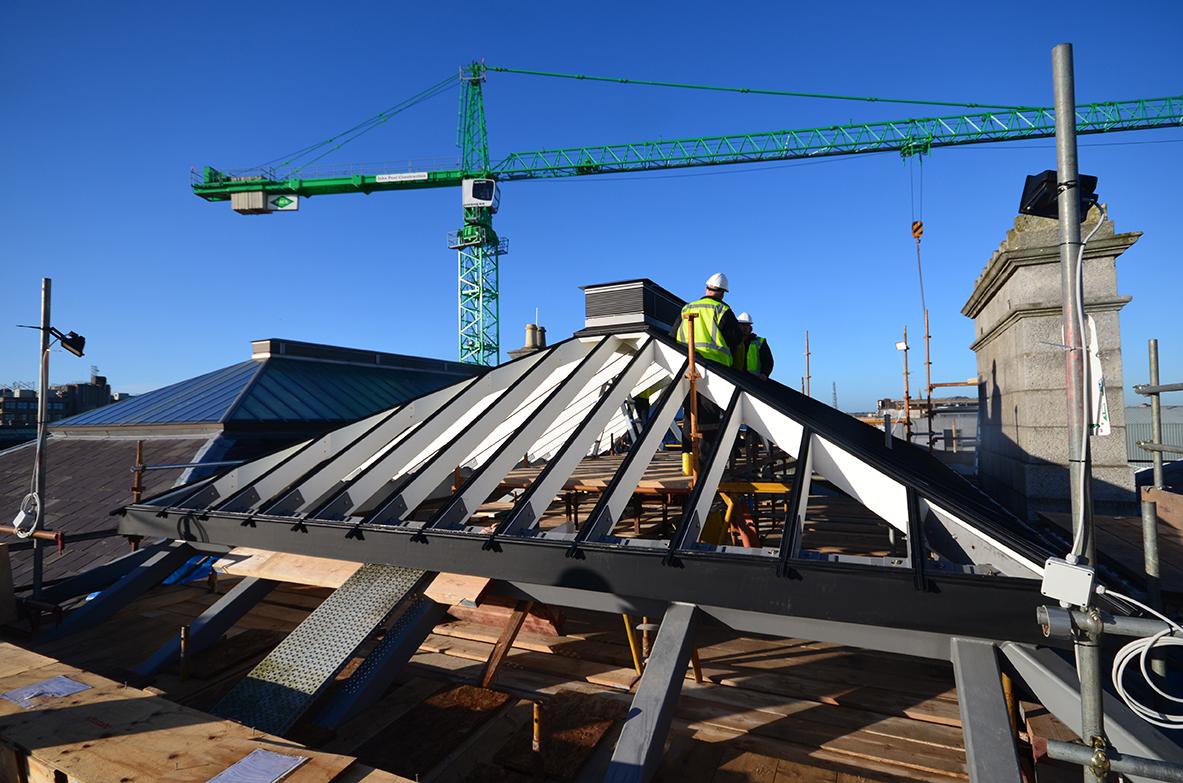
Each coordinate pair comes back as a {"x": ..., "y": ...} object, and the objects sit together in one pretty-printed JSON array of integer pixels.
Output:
[
  {"x": 1006, "y": 262},
  {"x": 1112, "y": 304}
]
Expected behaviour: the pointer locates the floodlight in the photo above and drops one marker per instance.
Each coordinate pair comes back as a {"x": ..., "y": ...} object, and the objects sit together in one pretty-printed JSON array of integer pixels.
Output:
[
  {"x": 73, "y": 342},
  {"x": 1041, "y": 195},
  {"x": 901, "y": 346}
]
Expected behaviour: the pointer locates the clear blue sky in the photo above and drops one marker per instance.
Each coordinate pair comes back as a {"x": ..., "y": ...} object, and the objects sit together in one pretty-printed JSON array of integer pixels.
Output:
[{"x": 106, "y": 106}]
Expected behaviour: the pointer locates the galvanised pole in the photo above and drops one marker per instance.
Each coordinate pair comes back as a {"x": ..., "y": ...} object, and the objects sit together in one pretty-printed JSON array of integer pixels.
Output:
[
  {"x": 42, "y": 433},
  {"x": 1088, "y": 651}
]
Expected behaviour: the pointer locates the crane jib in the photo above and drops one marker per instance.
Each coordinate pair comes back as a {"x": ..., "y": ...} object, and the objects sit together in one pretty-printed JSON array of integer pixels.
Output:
[{"x": 909, "y": 136}]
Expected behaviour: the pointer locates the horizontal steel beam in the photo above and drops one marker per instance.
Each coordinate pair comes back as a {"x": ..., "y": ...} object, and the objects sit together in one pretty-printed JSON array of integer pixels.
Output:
[
  {"x": 1161, "y": 388},
  {"x": 994, "y": 607}
]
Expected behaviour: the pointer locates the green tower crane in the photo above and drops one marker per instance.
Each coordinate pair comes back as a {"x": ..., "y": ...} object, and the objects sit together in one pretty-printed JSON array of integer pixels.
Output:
[{"x": 479, "y": 248}]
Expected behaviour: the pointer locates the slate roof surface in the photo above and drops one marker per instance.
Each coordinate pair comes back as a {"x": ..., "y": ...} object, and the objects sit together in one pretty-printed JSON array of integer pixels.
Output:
[{"x": 86, "y": 480}]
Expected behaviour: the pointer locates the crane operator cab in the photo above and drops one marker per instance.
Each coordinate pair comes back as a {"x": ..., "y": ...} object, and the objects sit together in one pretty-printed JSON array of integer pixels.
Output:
[{"x": 481, "y": 193}]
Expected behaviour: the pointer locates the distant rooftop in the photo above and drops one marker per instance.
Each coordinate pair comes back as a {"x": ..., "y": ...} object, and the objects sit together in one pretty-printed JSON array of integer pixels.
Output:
[{"x": 284, "y": 381}]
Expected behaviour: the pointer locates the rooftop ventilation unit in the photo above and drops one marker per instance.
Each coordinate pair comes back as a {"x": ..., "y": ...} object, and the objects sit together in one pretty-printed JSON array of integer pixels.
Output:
[{"x": 627, "y": 303}]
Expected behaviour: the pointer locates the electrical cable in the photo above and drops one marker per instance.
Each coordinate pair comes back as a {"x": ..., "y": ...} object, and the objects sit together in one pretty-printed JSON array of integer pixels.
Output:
[
  {"x": 1085, "y": 402},
  {"x": 1141, "y": 649},
  {"x": 30, "y": 506}
]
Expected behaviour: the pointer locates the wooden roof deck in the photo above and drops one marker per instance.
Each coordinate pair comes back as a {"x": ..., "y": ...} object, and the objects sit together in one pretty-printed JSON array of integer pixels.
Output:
[{"x": 769, "y": 709}]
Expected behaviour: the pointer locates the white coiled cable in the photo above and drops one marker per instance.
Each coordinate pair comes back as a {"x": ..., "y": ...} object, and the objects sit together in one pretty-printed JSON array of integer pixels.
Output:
[{"x": 1140, "y": 649}]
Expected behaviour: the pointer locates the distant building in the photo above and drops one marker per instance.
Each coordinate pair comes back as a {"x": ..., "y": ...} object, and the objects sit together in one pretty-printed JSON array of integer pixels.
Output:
[
  {"x": 18, "y": 407},
  {"x": 287, "y": 391}
]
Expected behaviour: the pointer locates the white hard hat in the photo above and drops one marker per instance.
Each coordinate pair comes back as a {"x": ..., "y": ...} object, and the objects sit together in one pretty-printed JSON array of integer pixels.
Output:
[
  {"x": 718, "y": 280},
  {"x": 744, "y": 318}
]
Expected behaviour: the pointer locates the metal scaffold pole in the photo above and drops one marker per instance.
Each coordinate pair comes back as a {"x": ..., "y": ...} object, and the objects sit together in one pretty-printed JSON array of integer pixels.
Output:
[{"x": 1088, "y": 651}]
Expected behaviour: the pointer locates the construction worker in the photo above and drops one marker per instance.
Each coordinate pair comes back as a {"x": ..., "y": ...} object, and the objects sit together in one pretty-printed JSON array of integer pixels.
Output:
[
  {"x": 753, "y": 355},
  {"x": 717, "y": 335}
]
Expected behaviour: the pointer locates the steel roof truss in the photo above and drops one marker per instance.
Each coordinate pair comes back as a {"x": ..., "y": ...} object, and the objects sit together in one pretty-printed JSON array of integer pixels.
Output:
[
  {"x": 435, "y": 470},
  {"x": 340, "y": 452},
  {"x": 619, "y": 492},
  {"x": 550, "y": 481},
  {"x": 488, "y": 475},
  {"x": 377, "y": 478}
]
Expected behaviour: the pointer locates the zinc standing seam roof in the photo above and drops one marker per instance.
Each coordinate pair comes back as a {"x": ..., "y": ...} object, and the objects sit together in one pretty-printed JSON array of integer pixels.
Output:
[
  {"x": 274, "y": 389},
  {"x": 205, "y": 398}
]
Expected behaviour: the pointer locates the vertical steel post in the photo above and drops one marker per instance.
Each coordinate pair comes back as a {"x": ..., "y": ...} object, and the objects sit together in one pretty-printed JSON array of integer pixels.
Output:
[
  {"x": 692, "y": 376},
  {"x": 1149, "y": 507},
  {"x": 807, "y": 375},
  {"x": 907, "y": 392},
  {"x": 927, "y": 372},
  {"x": 1088, "y": 651},
  {"x": 1156, "y": 415},
  {"x": 42, "y": 434}
]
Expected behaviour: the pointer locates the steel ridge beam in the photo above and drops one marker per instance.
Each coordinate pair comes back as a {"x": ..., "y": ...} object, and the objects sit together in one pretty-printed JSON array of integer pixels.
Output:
[{"x": 957, "y": 604}]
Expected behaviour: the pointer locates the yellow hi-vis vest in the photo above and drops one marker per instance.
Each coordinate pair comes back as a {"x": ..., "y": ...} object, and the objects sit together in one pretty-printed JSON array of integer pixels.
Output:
[
  {"x": 753, "y": 355},
  {"x": 708, "y": 340}
]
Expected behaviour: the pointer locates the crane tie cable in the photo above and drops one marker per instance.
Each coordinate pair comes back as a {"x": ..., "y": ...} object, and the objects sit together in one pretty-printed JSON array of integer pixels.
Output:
[
  {"x": 756, "y": 90},
  {"x": 357, "y": 130}
]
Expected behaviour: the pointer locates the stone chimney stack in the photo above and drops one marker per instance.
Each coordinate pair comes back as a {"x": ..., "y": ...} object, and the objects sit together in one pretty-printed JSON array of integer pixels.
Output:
[
  {"x": 535, "y": 341},
  {"x": 1015, "y": 306}
]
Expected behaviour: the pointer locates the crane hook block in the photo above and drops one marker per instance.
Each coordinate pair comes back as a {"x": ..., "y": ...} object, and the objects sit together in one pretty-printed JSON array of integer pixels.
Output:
[{"x": 917, "y": 228}]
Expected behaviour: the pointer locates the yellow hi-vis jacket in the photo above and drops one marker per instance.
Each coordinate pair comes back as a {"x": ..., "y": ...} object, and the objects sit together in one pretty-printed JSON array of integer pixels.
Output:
[
  {"x": 752, "y": 363},
  {"x": 708, "y": 338}
]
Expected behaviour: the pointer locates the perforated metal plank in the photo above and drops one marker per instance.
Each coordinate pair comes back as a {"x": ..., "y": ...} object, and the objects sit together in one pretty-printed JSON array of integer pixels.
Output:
[
  {"x": 417, "y": 618},
  {"x": 287, "y": 682}
]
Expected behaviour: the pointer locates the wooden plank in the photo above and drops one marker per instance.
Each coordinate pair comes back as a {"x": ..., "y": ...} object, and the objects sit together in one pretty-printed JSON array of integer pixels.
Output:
[
  {"x": 602, "y": 674},
  {"x": 740, "y": 766},
  {"x": 112, "y": 732},
  {"x": 451, "y": 589},
  {"x": 505, "y": 641},
  {"x": 810, "y": 756},
  {"x": 325, "y": 572},
  {"x": 857, "y": 745},
  {"x": 284, "y": 567},
  {"x": 360, "y": 773}
]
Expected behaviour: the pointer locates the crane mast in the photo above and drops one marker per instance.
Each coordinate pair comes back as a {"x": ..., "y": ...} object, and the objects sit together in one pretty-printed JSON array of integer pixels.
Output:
[{"x": 477, "y": 246}]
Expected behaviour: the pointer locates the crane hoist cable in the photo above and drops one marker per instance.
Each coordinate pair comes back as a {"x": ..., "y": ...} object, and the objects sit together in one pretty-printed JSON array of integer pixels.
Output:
[{"x": 916, "y": 175}]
